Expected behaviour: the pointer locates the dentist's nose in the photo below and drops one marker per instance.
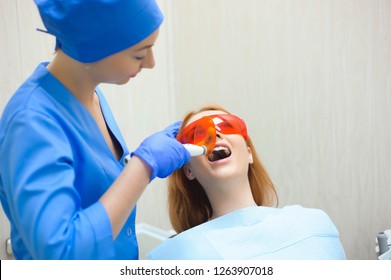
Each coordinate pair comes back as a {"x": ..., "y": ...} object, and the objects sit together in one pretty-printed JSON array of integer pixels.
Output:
[{"x": 149, "y": 61}]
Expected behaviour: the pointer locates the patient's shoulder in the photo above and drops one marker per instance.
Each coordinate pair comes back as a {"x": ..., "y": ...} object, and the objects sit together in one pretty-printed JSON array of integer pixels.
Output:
[
  {"x": 313, "y": 218},
  {"x": 302, "y": 211}
]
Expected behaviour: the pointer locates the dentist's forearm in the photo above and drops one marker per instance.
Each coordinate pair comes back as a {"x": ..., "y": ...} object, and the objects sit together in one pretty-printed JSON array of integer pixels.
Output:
[{"x": 120, "y": 199}]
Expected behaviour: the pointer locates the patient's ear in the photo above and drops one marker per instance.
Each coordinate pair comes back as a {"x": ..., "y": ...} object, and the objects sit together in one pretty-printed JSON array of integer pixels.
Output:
[
  {"x": 250, "y": 156},
  {"x": 188, "y": 172}
]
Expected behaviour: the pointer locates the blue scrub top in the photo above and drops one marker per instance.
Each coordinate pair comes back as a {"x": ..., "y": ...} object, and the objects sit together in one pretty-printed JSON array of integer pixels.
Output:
[
  {"x": 55, "y": 165},
  {"x": 288, "y": 233}
]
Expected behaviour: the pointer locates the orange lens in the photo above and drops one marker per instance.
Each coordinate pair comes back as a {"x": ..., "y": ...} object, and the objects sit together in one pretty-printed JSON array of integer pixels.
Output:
[
  {"x": 229, "y": 124},
  {"x": 202, "y": 132}
]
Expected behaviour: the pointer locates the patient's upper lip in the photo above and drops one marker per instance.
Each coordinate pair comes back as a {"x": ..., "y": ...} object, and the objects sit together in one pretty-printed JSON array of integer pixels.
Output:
[{"x": 221, "y": 144}]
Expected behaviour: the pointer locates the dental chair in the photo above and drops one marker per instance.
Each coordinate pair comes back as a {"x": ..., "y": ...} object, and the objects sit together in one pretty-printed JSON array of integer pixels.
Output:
[
  {"x": 383, "y": 245},
  {"x": 149, "y": 237}
]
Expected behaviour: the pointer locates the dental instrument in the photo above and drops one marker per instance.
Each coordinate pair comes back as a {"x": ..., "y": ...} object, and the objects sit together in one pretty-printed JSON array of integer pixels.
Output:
[{"x": 194, "y": 151}]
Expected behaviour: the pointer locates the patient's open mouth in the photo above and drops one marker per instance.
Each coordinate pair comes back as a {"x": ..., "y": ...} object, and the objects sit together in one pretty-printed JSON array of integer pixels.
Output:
[{"x": 219, "y": 153}]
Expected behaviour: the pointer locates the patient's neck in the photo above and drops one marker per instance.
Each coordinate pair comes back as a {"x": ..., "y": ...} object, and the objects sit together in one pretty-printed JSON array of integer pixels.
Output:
[{"x": 228, "y": 199}]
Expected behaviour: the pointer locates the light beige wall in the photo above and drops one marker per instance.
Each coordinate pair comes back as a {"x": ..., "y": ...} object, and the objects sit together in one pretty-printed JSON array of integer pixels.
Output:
[{"x": 312, "y": 79}]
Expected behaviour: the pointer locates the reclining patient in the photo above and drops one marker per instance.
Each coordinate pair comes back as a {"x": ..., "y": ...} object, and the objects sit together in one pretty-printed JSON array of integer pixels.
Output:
[{"x": 221, "y": 204}]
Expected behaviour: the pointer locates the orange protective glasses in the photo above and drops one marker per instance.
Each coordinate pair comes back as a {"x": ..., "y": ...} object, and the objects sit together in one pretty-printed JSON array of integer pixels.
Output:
[{"x": 202, "y": 132}]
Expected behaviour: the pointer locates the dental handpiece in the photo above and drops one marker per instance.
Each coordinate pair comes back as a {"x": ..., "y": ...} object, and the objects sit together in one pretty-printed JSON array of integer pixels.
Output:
[{"x": 195, "y": 150}]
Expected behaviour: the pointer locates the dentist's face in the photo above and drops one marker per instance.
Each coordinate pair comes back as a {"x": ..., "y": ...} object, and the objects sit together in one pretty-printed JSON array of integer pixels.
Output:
[
  {"x": 229, "y": 161},
  {"x": 119, "y": 68}
]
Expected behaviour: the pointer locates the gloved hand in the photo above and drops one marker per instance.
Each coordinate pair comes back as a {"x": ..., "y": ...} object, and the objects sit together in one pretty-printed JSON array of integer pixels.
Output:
[{"x": 162, "y": 152}]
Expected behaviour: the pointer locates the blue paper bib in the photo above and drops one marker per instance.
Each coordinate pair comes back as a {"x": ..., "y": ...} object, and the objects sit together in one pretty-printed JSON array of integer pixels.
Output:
[{"x": 292, "y": 232}]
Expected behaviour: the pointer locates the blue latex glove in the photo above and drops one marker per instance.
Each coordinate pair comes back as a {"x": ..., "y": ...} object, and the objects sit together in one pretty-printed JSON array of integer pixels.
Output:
[{"x": 162, "y": 152}]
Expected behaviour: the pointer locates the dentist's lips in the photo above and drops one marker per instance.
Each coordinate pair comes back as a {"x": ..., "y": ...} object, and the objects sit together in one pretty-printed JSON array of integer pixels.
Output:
[
  {"x": 219, "y": 153},
  {"x": 135, "y": 74}
]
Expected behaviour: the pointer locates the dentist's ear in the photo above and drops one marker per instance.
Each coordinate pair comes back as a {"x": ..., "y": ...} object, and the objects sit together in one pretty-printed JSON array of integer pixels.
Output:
[
  {"x": 188, "y": 172},
  {"x": 250, "y": 156}
]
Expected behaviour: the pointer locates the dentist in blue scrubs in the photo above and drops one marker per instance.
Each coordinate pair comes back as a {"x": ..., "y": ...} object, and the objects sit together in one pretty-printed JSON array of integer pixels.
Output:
[{"x": 64, "y": 185}]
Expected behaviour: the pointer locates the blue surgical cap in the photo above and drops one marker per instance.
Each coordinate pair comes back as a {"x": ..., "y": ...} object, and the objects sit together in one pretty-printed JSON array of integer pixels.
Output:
[{"x": 90, "y": 30}]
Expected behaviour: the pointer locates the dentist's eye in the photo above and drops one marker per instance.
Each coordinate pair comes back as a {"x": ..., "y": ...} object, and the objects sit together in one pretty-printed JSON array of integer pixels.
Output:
[{"x": 140, "y": 55}]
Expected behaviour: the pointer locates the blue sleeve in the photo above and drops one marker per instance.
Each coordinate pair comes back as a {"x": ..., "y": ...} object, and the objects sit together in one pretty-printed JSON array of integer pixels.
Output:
[{"x": 44, "y": 206}]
